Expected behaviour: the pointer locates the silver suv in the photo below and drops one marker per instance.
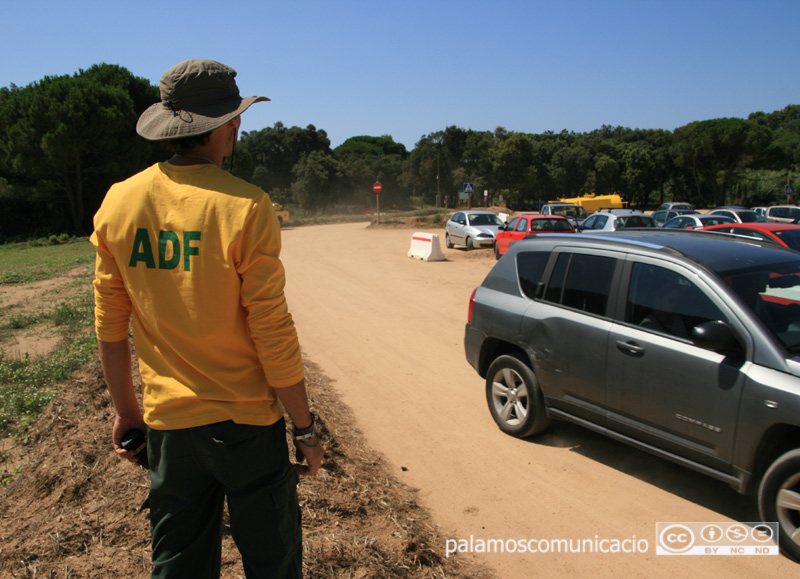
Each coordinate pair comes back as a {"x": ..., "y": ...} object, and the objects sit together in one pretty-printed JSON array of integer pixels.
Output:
[{"x": 677, "y": 343}]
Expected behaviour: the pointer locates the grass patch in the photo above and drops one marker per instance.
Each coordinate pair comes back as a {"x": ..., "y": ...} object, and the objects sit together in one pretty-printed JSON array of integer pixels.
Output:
[
  {"x": 28, "y": 383},
  {"x": 25, "y": 263}
]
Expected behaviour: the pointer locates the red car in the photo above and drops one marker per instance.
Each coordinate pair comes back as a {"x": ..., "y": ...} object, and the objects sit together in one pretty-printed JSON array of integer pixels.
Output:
[
  {"x": 523, "y": 225},
  {"x": 785, "y": 234}
]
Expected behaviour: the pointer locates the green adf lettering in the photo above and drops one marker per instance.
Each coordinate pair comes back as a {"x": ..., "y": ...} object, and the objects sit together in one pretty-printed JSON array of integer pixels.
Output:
[
  {"x": 165, "y": 237},
  {"x": 142, "y": 250},
  {"x": 188, "y": 250}
]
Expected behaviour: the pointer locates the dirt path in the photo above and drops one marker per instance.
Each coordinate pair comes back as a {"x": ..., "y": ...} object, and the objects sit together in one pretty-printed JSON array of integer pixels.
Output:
[{"x": 388, "y": 330}]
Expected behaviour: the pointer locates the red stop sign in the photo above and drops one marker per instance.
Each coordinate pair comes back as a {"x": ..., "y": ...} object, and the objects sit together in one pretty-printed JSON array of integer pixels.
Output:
[{"x": 377, "y": 187}]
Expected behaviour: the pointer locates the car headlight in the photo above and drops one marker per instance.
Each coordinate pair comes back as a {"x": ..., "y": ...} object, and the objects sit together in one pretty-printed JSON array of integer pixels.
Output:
[{"x": 489, "y": 235}]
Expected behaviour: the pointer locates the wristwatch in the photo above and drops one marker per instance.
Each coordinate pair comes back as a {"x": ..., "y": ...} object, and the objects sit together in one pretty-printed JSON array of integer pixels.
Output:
[{"x": 308, "y": 432}]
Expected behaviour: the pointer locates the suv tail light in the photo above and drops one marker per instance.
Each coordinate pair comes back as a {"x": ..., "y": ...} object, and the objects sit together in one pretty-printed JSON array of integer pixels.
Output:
[{"x": 471, "y": 305}]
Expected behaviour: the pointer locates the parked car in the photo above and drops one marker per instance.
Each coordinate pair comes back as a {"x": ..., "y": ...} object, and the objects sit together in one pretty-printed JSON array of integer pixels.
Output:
[
  {"x": 739, "y": 214},
  {"x": 695, "y": 221},
  {"x": 760, "y": 210},
  {"x": 664, "y": 215},
  {"x": 682, "y": 344},
  {"x": 522, "y": 225},
  {"x": 675, "y": 205},
  {"x": 613, "y": 219},
  {"x": 472, "y": 229},
  {"x": 575, "y": 213},
  {"x": 784, "y": 234},
  {"x": 783, "y": 213}
]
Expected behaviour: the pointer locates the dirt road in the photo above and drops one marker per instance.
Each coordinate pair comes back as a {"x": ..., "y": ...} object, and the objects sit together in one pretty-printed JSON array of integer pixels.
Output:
[{"x": 388, "y": 330}]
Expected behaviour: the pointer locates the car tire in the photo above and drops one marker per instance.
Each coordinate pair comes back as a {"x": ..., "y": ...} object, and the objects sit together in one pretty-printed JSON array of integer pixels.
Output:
[
  {"x": 496, "y": 251},
  {"x": 470, "y": 244},
  {"x": 779, "y": 500},
  {"x": 447, "y": 241},
  {"x": 514, "y": 397}
]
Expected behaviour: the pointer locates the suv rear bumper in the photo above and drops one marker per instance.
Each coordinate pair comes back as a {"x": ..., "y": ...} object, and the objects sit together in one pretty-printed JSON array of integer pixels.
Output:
[{"x": 473, "y": 342}]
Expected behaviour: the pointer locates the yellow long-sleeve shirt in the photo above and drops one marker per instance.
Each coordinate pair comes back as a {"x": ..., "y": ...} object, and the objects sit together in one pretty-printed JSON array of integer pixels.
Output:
[{"x": 191, "y": 253}]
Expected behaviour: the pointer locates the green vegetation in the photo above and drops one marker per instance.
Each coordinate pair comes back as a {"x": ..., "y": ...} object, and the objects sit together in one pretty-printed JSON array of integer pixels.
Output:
[
  {"x": 27, "y": 262},
  {"x": 28, "y": 383},
  {"x": 53, "y": 178},
  {"x": 330, "y": 217}
]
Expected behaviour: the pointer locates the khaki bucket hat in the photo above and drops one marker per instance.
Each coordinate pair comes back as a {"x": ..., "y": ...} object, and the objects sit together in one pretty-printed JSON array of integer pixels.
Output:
[{"x": 197, "y": 96}]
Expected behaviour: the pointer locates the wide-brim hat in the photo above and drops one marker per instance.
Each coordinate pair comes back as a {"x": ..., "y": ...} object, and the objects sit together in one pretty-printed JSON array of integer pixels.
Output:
[{"x": 197, "y": 96}]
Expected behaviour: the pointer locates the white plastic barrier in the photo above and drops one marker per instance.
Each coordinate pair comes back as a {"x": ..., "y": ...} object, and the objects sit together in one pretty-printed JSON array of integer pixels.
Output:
[
  {"x": 503, "y": 217},
  {"x": 425, "y": 246}
]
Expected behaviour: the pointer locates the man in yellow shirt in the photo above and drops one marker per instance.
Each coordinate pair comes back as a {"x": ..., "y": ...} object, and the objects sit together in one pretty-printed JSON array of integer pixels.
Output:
[{"x": 190, "y": 254}]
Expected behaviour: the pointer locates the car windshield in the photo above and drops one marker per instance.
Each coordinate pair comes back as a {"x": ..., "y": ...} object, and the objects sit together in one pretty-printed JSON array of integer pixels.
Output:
[
  {"x": 791, "y": 237},
  {"x": 550, "y": 225},
  {"x": 572, "y": 212},
  {"x": 635, "y": 221},
  {"x": 772, "y": 292},
  {"x": 484, "y": 219}
]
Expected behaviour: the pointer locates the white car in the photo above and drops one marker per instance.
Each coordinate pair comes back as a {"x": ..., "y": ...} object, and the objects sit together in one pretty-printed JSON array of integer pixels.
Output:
[
  {"x": 783, "y": 213},
  {"x": 694, "y": 221},
  {"x": 472, "y": 229},
  {"x": 614, "y": 219},
  {"x": 739, "y": 215}
]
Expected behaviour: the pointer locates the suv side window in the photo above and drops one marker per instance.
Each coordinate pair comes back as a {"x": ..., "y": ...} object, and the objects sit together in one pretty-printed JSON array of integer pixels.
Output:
[
  {"x": 582, "y": 282},
  {"x": 530, "y": 267},
  {"x": 665, "y": 301}
]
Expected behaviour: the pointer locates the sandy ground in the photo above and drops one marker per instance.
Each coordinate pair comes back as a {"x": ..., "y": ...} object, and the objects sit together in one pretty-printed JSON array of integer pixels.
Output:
[{"x": 388, "y": 330}]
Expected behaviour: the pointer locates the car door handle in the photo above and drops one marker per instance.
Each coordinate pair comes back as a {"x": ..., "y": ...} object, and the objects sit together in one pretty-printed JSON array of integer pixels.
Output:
[{"x": 630, "y": 348}]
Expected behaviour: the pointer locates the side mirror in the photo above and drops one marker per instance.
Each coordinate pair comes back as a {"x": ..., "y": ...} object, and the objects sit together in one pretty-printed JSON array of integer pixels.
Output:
[{"x": 716, "y": 336}]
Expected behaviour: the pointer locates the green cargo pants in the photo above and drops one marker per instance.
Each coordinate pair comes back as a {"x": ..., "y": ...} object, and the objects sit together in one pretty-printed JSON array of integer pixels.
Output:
[{"x": 193, "y": 470}]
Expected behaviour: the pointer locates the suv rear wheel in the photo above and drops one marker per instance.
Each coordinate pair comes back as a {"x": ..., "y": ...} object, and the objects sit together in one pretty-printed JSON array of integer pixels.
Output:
[
  {"x": 779, "y": 500},
  {"x": 514, "y": 397}
]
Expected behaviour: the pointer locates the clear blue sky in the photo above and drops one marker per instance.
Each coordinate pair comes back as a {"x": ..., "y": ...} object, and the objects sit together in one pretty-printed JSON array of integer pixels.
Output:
[{"x": 407, "y": 68}]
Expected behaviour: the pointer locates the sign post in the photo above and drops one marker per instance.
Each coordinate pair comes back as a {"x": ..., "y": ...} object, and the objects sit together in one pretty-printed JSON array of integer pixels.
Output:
[
  {"x": 377, "y": 187},
  {"x": 469, "y": 189}
]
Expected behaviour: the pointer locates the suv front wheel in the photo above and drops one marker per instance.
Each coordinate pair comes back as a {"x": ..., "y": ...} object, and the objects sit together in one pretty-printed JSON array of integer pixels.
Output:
[
  {"x": 779, "y": 500},
  {"x": 514, "y": 397}
]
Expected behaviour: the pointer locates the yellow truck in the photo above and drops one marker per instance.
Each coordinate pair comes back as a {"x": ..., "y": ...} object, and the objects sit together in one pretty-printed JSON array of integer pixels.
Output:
[
  {"x": 592, "y": 202},
  {"x": 282, "y": 215}
]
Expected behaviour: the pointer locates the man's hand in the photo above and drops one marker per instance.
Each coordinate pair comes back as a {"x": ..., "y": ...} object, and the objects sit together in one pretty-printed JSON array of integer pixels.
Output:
[
  {"x": 310, "y": 451},
  {"x": 121, "y": 426}
]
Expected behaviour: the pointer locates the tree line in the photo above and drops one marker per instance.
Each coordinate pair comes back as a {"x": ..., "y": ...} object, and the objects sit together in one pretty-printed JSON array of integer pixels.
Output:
[{"x": 65, "y": 139}]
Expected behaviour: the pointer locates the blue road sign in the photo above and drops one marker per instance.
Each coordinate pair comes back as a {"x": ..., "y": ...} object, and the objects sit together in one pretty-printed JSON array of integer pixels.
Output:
[{"x": 469, "y": 187}]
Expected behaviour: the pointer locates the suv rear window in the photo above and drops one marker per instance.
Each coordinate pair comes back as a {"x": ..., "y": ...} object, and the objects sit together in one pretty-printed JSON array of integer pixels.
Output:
[{"x": 582, "y": 282}]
